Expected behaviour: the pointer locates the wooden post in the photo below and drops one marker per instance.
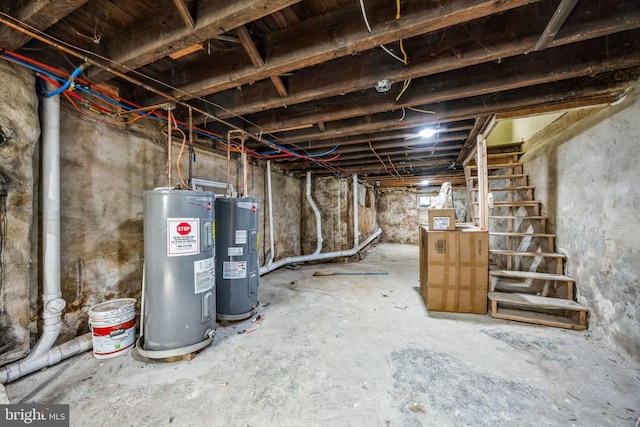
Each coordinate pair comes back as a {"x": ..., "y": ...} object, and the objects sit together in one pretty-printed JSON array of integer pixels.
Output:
[{"x": 483, "y": 183}]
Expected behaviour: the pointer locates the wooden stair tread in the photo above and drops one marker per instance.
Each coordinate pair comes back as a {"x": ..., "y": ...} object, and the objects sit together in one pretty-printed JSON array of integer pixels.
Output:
[
  {"x": 530, "y": 217},
  {"x": 498, "y": 166},
  {"x": 560, "y": 313},
  {"x": 508, "y": 154},
  {"x": 515, "y": 203},
  {"x": 536, "y": 301},
  {"x": 532, "y": 254},
  {"x": 544, "y": 319},
  {"x": 517, "y": 188},
  {"x": 530, "y": 275},
  {"x": 515, "y": 234},
  {"x": 514, "y": 176}
]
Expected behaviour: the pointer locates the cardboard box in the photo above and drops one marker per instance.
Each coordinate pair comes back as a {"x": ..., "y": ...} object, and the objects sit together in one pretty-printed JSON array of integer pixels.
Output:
[
  {"x": 454, "y": 270},
  {"x": 442, "y": 219}
]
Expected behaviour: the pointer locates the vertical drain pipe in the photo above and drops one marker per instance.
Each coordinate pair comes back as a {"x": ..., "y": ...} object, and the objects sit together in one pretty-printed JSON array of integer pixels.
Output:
[
  {"x": 52, "y": 301},
  {"x": 328, "y": 255},
  {"x": 356, "y": 227},
  {"x": 42, "y": 354},
  {"x": 316, "y": 212},
  {"x": 270, "y": 202}
]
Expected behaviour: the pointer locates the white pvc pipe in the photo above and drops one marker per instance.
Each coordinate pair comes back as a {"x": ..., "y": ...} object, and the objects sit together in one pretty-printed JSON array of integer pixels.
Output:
[
  {"x": 18, "y": 370},
  {"x": 339, "y": 214},
  {"x": 356, "y": 227},
  {"x": 42, "y": 354},
  {"x": 52, "y": 301},
  {"x": 316, "y": 213},
  {"x": 328, "y": 255},
  {"x": 270, "y": 202}
]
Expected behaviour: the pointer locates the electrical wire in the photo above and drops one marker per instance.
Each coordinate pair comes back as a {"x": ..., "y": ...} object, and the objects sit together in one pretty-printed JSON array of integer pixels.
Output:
[
  {"x": 366, "y": 22},
  {"x": 405, "y": 59},
  {"x": 374, "y": 152},
  {"x": 421, "y": 111},
  {"x": 404, "y": 87},
  {"x": 394, "y": 168}
]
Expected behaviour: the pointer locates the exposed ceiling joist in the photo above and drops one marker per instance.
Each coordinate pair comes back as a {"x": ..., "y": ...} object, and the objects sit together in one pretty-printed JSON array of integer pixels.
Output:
[
  {"x": 163, "y": 35},
  {"x": 561, "y": 14},
  {"x": 256, "y": 58},
  {"x": 301, "y": 76},
  {"x": 181, "y": 5},
  {"x": 290, "y": 48},
  {"x": 39, "y": 14},
  {"x": 336, "y": 79},
  {"x": 595, "y": 57}
]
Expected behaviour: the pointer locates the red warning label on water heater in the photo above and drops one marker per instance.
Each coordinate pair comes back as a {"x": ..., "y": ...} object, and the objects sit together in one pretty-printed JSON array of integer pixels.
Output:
[{"x": 183, "y": 237}]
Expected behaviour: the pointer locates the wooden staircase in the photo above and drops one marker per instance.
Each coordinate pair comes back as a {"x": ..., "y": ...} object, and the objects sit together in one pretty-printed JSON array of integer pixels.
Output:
[{"x": 528, "y": 283}]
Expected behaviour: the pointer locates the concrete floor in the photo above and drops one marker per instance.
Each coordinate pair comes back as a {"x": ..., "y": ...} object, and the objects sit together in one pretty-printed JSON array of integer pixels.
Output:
[{"x": 354, "y": 351}]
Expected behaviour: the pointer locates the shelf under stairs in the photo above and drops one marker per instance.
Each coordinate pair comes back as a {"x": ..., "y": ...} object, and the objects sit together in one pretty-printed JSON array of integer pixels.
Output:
[{"x": 527, "y": 275}]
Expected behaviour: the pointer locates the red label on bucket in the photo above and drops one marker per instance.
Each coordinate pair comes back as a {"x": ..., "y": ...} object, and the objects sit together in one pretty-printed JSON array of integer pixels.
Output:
[
  {"x": 183, "y": 229},
  {"x": 108, "y": 331}
]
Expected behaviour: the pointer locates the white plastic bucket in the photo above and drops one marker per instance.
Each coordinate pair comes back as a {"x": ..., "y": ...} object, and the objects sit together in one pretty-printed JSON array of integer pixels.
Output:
[{"x": 113, "y": 327}]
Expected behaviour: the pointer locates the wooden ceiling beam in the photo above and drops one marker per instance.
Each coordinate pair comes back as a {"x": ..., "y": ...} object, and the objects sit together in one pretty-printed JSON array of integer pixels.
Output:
[
  {"x": 252, "y": 51},
  {"x": 618, "y": 51},
  {"x": 431, "y": 152},
  {"x": 40, "y": 14},
  {"x": 163, "y": 35},
  {"x": 546, "y": 95},
  {"x": 480, "y": 123},
  {"x": 555, "y": 23},
  {"x": 183, "y": 10},
  {"x": 411, "y": 144},
  {"x": 333, "y": 79},
  {"x": 443, "y": 130},
  {"x": 414, "y": 181},
  {"x": 317, "y": 41},
  {"x": 374, "y": 167}
]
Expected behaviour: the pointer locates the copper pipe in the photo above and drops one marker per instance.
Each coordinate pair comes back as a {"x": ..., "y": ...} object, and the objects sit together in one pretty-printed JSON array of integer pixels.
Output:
[
  {"x": 228, "y": 159},
  {"x": 190, "y": 146},
  {"x": 169, "y": 142},
  {"x": 244, "y": 167}
]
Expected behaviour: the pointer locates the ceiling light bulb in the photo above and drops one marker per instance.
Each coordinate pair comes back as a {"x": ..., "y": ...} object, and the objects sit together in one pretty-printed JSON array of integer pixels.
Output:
[
  {"x": 425, "y": 182},
  {"x": 427, "y": 132}
]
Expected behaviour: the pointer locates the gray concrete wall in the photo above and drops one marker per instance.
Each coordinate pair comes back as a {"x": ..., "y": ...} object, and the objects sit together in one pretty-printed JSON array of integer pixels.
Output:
[
  {"x": 399, "y": 216},
  {"x": 585, "y": 168},
  {"x": 334, "y": 199},
  {"x": 19, "y": 133}
]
